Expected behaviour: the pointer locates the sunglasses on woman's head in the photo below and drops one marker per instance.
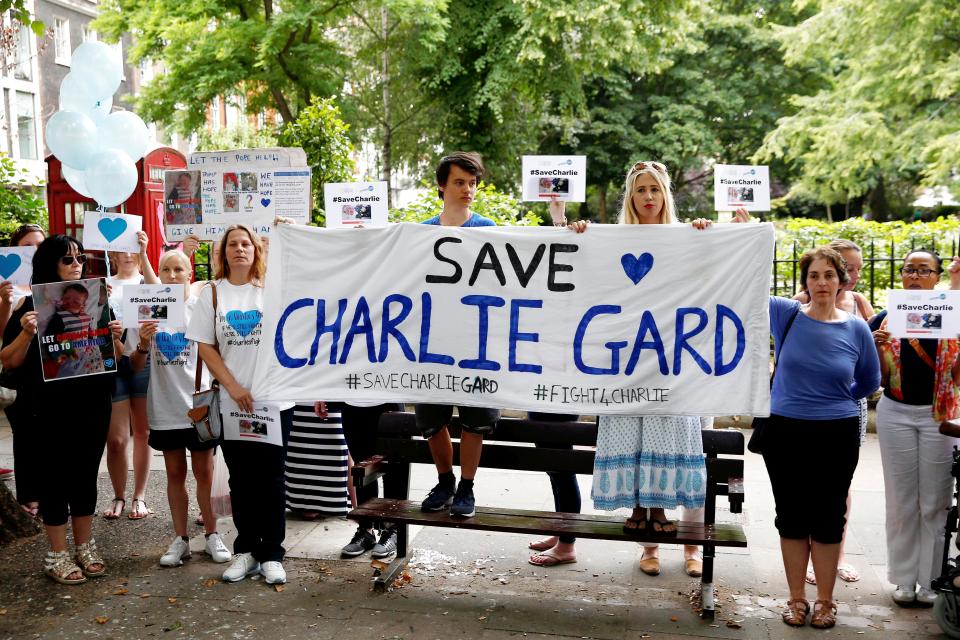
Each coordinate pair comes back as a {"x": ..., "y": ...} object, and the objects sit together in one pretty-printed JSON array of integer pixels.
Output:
[
  {"x": 69, "y": 260},
  {"x": 656, "y": 166}
]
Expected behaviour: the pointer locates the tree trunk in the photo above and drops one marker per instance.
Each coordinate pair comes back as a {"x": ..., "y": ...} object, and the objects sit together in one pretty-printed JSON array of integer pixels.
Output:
[
  {"x": 14, "y": 522},
  {"x": 602, "y": 203},
  {"x": 387, "y": 150},
  {"x": 829, "y": 213},
  {"x": 877, "y": 200}
]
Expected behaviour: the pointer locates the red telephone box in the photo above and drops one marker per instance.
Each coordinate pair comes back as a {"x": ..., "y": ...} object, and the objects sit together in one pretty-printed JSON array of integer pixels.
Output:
[{"x": 66, "y": 207}]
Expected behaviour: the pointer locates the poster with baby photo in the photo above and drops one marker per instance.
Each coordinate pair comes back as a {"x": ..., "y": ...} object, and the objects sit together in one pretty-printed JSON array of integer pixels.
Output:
[
  {"x": 160, "y": 303},
  {"x": 16, "y": 267},
  {"x": 548, "y": 178},
  {"x": 260, "y": 425},
  {"x": 72, "y": 329}
]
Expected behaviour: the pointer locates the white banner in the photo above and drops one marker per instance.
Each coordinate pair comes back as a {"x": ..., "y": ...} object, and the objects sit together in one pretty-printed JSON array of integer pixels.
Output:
[{"x": 652, "y": 319}]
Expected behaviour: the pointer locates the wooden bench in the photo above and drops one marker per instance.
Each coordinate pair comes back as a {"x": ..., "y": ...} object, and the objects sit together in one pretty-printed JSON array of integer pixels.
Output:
[{"x": 400, "y": 445}]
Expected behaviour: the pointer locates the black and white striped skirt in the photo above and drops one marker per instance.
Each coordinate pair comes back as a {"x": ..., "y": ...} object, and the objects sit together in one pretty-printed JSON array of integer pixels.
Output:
[{"x": 316, "y": 467}]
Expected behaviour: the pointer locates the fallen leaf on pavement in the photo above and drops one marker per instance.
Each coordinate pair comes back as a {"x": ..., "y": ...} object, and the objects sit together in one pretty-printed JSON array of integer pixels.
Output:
[
  {"x": 376, "y": 564},
  {"x": 121, "y": 592},
  {"x": 172, "y": 600},
  {"x": 279, "y": 588},
  {"x": 101, "y": 619},
  {"x": 173, "y": 627},
  {"x": 733, "y": 624},
  {"x": 674, "y": 618},
  {"x": 144, "y": 595},
  {"x": 210, "y": 582}
]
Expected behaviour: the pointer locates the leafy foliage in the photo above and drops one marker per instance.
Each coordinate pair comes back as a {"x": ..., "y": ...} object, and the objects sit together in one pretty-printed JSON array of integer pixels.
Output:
[
  {"x": 323, "y": 136},
  {"x": 491, "y": 203},
  {"x": 20, "y": 201},
  {"x": 239, "y": 137}
]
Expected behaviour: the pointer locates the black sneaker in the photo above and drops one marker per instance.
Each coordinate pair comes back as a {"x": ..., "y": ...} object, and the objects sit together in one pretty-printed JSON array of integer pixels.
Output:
[
  {"x": 387, "y": 545},
  {"x": 464, "y": 505},
  {"x": 439, "y": 498},
  {"x": 361, "y": 542}
]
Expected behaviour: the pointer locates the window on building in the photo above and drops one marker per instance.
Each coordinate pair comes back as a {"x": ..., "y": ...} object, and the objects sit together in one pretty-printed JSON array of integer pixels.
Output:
[
  {"x": 23, "y": 69},
  {"x": 88, "y": 34},
  {"x": 61, "y": 41},
  {"x": 26, "y": 126},
  {"x": 146, "y": 71}
]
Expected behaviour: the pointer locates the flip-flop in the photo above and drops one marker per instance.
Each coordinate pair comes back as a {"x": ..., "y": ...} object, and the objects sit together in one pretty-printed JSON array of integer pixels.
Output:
[
  {"x": 541, "y": 545},
  {"x": 848, "y": 573},
  {"x": 113, "y": 513},
  {"x": 811, "y": 577},
  {"x": 140, "y": 510},
  {"x": 639, "y": 526},
  {"x": 548, "y": 559},
  {"x": 658, "y": 527}
]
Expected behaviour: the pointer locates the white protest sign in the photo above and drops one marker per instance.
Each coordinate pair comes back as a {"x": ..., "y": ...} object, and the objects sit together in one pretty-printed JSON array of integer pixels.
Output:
[
  {"x": 260, "y": 425},
  {"x": 554, "y": 178},
  {"x": 923, "y": 313},
  {"x": 622, "y": 319},
  {"x": 247, "y": 186},
  {"x": 160, "y": 303},
  {"x": 16, "y": 266},
  {"x": 348, "y": 204},
  {"x": 111, "y": 231},
  {"x": 736, "y": 185}
]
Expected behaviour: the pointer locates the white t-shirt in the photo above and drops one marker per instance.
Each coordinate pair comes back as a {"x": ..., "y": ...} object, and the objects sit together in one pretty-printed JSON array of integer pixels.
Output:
[
  {"x": 116, "y": 295},
  {"x": 173, "y": 370}
]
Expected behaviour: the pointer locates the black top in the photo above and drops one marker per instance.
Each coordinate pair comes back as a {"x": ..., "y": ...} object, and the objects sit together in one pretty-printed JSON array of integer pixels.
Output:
[{"x": 917, "y": 378}]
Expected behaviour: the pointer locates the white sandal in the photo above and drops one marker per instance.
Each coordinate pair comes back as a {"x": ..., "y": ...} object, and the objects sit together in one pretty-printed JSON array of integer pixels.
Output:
[
  {"x": 87, "y": 555},
  {"x": 59, "y": 567}
]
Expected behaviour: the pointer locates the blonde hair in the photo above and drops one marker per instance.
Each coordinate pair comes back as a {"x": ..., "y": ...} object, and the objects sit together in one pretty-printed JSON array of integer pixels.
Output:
[
  {"x": 112, "y": 256},
  {"x": 628, "y": 213},
  {"x": 259, "y": 268},
  {"x": 175, "y": 253}
]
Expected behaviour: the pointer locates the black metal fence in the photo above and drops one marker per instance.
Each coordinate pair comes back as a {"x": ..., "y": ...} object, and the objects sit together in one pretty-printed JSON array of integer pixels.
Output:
[{"x": 881, "y": 264}]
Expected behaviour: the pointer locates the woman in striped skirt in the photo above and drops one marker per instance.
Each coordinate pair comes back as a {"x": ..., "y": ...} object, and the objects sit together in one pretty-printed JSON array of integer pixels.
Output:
[{"x": 316, "y": 466}]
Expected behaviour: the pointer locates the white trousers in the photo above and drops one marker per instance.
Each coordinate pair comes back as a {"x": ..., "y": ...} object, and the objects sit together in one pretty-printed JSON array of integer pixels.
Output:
[{"x": 919, "y": 489}]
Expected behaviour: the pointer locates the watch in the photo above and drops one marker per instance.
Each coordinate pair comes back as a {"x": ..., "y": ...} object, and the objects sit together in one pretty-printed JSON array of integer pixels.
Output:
[{"x": 144, "y": 351}]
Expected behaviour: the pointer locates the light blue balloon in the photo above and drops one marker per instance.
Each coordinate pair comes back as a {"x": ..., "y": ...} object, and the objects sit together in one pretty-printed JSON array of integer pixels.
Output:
[
  {"x": 72, "y": 137},
  {"x": 76, "y": 179},
  {"x": 76, "y": 94},
  {"x": 124, "y": 130},
  {"x": 111, "y": 177},
  {"x": 100, "y": 64}
]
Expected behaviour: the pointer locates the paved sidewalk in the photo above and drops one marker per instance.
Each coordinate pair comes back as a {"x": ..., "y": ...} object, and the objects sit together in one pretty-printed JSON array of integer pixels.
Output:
[{"x": 463, "y": 584}]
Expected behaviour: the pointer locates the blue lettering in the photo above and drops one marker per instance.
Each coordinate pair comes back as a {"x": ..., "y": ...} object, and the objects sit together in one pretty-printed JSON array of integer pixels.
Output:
[
  {"x": 389, "y": 326},
  {"x": 614, "y": 347},
  {"x": 682, "y": 336},
  {"x": 322, "y": 328},
  {"x": 483, "y": 304},
  {"x": 647, "y": 325},
  {"x": 720, "y": 368},
  {"x": 425, "y": 355},
  {"x": 282, "y": 356},
  {"x": 516, "y": 336},
  {"x": 361, "y": 324}
]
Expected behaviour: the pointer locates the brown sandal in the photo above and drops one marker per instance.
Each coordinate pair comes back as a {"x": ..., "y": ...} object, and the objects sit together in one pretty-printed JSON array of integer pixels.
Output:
[
  {"x": 824, "y": 614},
  {"x": 796, "y": 612},
  {"x": 663, "y": 527}
]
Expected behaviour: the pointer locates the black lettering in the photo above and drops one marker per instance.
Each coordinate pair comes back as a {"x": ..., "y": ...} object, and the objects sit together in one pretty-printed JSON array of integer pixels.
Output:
[
  {"x": 556, "y": 267},
  {"x": 457, "y": 271},
  {"x": 493, "y": 264},
  {"x": 524, "y": 275}
]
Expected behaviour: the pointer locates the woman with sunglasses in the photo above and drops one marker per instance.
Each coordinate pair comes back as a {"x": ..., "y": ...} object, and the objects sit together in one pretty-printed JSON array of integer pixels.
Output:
[
  {"x": 130, "y": 392},
  {"x": 920, "y": 378},
  {"x": 72, "y": 416},
  {"x": 27, "y": 445}
]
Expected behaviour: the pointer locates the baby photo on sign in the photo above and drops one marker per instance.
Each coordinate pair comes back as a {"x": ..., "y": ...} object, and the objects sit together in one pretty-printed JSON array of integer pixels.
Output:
[
  {"x": 72, "y": 320},
  {"x": 181, "y": 204}
]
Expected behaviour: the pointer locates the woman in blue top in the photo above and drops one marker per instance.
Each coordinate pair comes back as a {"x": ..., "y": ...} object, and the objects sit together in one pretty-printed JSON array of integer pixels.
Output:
[{"x": 827, "y": 362}]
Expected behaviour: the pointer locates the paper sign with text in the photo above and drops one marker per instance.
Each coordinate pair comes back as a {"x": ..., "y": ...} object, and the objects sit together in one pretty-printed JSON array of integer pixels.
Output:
[
  {"x": 348, "y": 204},
  {"x": 16, "y": 267},
  {"x": 111, "y": 231},
  {"x": 923, "y": 313},
  {"x": 554, "y": 178},
  {"x": 260, "y": 425},
  {"x": 160, "y": 303},
  {"x": 622, "y": 319},
  {"x": 72, "y": 329},
  {"x": 736, "y": 186}
]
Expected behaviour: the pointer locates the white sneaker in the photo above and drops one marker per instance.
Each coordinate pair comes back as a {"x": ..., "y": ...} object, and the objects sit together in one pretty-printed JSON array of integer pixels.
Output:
[
  {"x": 926, "y": 597},
  {"x": 215, "y": 548},
  {"x": 273, "y": 572},
  {"x": 904, "y": 595},
  {"x": 243, "y": 565},
  {"x": 177, "y": 552}
]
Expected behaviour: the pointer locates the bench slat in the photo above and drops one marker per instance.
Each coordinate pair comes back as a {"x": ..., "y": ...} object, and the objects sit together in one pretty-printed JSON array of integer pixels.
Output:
[{"x": 547, "y": 522}]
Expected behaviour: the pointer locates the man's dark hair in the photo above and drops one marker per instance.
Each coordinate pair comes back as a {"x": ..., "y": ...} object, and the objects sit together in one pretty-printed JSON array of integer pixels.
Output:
[{"x": 469, "y": 161}]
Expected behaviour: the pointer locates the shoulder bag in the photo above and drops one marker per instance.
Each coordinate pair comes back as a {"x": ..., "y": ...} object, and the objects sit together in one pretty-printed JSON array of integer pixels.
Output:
[
  {"x": 205, "y": 415},
  {"x": 760, "y": 425}
]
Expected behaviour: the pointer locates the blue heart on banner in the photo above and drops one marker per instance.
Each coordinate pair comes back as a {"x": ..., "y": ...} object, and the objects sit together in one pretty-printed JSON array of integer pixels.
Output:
[
  {"x": 9, "y": 264},
  {"x": 112, "y": 228},
  {"x": 171, "y": 345},
  {"x": 636, "y": 267},
  {"x": 265, "y": 202},
  {"x": 243, "y": 322}
]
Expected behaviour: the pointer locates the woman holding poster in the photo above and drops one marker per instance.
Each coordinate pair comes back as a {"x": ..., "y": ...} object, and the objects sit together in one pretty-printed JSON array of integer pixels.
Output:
[
  {"x": 920, "y": 378},
  {"x": 173, "y": 368},
  {"x": 73, "y": 414},
  {"x": 227, "y": 329}
]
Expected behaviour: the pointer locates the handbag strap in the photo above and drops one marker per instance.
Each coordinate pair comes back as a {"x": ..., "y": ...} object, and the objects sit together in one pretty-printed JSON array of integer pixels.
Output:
[
  {"x": 786, "y": 330},
  {"x": 216, "y": 345},
  {"x": 922, "y": 353}
]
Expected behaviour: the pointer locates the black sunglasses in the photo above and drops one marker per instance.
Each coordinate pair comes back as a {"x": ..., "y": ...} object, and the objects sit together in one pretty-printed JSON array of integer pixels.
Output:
[{"x": 69, "y": 260}]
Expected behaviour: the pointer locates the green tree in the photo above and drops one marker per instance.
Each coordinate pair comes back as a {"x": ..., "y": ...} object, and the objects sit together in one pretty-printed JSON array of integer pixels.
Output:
[
  {"x": 21, "y": 13},
  {"x": 21, "y": 201},
  {"x": 238, "y": 137},
  {"x": 322, "y": 134},
  {"x": 492, "y": 203},
  {"x": 889, "y": 107}
]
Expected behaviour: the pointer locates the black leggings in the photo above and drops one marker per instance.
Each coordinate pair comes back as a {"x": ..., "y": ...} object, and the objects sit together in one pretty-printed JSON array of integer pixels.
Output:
[
  {"x": 566, "y": 490},
  {"x": 28, "y": 451},
  {"x": 811, "y": 464},
  {"x": 360, "y": 432}
]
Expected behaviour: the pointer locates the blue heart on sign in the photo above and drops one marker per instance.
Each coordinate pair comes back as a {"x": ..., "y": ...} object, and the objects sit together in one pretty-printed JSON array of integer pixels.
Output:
[
  {"x": 112, "y": 228},
  {"x": 171, "y": 345},
  {"x": 243, "y": 322},
  {"x": 636, "y": 267},
  {"x": 9, "y": 264},
  {"x": 265, "y": 202}
]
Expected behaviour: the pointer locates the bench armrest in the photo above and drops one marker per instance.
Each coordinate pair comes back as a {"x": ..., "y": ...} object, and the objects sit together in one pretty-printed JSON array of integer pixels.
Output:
[
  {"x": 735, "y": 494},
  {"x": 367, "y": 471}
]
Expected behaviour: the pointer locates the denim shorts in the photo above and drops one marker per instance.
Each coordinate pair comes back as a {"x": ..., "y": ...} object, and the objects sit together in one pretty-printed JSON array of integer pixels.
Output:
[
  {"x": 129, "y": 384},
  {"x": 431, "y": 418}
]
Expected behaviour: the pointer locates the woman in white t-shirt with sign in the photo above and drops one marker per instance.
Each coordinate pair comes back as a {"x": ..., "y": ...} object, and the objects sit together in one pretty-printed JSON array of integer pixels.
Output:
[
  {"x": 228, "y": 336},
  {"x": 173, "y": 370}
]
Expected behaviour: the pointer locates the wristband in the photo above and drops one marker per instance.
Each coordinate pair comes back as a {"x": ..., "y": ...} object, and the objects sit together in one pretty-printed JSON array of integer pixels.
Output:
[{"x": 143, "y": 351}]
